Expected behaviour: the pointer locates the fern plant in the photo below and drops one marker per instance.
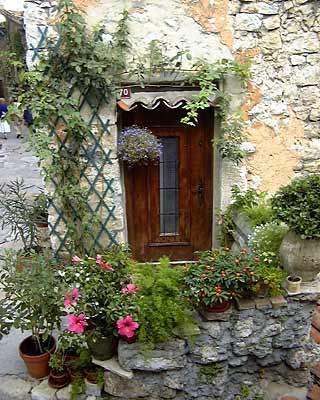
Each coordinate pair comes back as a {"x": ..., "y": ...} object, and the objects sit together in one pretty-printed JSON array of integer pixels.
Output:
[{"x": 162, "y": 306}]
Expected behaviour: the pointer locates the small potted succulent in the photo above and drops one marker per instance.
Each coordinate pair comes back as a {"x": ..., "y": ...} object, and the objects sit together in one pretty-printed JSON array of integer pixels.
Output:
[
  {"x": 218, "y": 278},
  {"x": 138, "y": 145},
  {"x": 294, "y": 283}
]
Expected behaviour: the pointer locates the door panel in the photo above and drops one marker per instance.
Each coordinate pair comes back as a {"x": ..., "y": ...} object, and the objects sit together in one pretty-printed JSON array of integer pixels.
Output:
[{"x": 169, "y": 206}]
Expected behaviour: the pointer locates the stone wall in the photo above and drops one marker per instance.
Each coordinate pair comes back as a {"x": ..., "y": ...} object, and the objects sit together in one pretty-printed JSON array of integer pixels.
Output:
[{"x": 238, "y": 351}]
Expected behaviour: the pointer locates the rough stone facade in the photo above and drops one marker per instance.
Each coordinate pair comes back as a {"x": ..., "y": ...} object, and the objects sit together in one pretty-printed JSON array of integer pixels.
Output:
[
  {"x": 281, "y": 103},
  {"x": 237, "y": 351}
]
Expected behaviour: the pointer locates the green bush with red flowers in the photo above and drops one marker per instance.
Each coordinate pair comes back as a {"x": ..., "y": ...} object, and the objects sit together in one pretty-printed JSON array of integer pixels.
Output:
[{"x": 220, "y": 275}]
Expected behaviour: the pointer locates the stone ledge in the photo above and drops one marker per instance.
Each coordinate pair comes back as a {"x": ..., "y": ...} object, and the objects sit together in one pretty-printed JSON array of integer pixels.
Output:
[
  {"x": 307, "y": 288},
  {"x": 165, "y": 356},
  {"x": 113, "y": 365},
  {"x": 245, "y": 304},
  {"x": 224, "y": 316},
  {"x": 262, "y": 303},
  {"x": 278, "y": 301}
]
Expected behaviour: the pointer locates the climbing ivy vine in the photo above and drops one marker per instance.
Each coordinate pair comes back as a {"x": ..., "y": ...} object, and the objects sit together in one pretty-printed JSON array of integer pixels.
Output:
[{"x": 80, "y": 64}]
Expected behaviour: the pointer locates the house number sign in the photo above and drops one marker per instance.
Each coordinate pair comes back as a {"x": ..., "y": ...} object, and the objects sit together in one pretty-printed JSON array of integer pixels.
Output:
[{"x": 125, "y": 93}]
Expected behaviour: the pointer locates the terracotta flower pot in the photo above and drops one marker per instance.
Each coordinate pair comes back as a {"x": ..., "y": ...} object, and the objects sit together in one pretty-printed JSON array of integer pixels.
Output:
[
  {"x": 218, "y": 307},
  {"x": 36, "y": 363},
  {"x": 90, "y": 375},
  {"x": 58, "y": 380}
]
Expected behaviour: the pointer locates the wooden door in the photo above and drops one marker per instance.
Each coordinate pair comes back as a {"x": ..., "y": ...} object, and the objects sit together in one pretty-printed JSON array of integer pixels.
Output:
[{"x": 169, "y": 206}]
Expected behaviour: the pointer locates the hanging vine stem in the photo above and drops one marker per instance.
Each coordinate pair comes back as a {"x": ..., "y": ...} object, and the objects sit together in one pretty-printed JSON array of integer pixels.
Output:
[{"x": 81, "y": 64}]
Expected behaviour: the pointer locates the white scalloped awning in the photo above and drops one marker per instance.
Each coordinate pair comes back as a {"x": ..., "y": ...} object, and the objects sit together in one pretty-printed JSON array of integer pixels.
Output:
[{"x": 152, "y": 99}]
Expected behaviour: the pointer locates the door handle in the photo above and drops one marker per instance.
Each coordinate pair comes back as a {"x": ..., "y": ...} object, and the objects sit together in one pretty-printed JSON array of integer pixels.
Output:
[{"x": 200, "y": 193}]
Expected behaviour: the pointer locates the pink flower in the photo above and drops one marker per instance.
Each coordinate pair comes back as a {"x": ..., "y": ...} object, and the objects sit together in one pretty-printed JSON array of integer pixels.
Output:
[
  {"x": 99, "y": 259},
  {"x": 76, "y": 259},
  {"x": 77, "y": 323},
  {"x": 72, "y": 297},
  {"x": 127, "y": 326},
  {"x": 103, "y": 265},
  {"x": 130, "y": 289}
]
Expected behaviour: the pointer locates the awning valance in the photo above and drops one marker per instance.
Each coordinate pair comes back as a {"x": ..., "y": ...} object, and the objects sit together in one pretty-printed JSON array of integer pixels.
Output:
[{"x": 152, "y": 98}]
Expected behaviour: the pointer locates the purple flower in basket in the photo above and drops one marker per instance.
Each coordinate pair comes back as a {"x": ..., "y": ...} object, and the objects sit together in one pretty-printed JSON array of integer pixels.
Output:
[{"x": 137, "y": 145}]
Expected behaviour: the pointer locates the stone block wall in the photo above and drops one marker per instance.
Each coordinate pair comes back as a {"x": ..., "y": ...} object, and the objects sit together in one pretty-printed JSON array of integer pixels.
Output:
[{"x": 237, "y": 351}]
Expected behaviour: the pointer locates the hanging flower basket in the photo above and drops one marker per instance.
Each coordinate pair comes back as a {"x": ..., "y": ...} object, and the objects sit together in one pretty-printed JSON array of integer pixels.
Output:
[{"x": 138, "y": 145}]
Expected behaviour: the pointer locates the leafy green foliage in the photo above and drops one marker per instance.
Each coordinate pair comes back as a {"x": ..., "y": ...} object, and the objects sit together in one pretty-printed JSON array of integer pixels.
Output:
[
  {"x": 266, "y": 240},
  {"x": 32, "y": 296},
  {"x": 162, "y": 306},
  {"x": 251, "y": 203},
  {"x": 56, "y": 362},
  {"x": 269, "y": 280},
  {"x": 298, "y": 205},
  {"x": 78, "y": 387},
  {"x": 40, "y": 208},
  {"x": 259, "y": 214},
  {"x": 208, "y": 77}
]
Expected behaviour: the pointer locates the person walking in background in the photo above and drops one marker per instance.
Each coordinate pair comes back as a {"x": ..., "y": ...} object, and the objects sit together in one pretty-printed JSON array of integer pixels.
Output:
[
  {"x": 4, "y": 126},
  {"x": 19, "y": 123},
  {"x": 28, "y": 119}
]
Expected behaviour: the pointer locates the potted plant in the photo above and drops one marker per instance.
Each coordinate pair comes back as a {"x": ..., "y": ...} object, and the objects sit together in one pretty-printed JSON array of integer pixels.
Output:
[
  {"x": 138, "y": 145},
  {"x": 163, "y": 309},
  {"x": 58, "y": 377},
  {"x": 40, "y": 210},
  {"x": 32, "y": 302},
  {"x": 39, "y": 215},
  {"x": 218, "y": 278},
  {"x": 298, "y": 205},
  {"x": 18, "y": 214},
  {"x": 294, "y": 284},
  {"x": 96, "y": 299}
]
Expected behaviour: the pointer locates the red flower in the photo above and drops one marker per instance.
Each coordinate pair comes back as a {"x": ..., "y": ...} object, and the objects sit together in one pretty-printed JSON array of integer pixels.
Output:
[
  {"x": 127, "y": 326},
  {"x": 77, "y": 323}
]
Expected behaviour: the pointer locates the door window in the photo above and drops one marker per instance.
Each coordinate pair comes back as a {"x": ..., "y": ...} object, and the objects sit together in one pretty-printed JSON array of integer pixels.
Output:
[{"x": 169, "y": 187}]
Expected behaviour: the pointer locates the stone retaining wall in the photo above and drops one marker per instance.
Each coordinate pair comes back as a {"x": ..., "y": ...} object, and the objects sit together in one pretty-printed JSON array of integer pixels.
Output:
[{"x": 236, "y": 352}]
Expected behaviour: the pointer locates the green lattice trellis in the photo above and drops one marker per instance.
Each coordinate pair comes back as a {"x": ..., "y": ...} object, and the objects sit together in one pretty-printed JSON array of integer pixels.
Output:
[{"x": 90, "y": 149}]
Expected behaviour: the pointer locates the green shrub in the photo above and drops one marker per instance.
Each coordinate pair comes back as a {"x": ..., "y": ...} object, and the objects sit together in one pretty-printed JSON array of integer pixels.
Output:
[
  {"x": 265, "y": 241},
  {"x": 259, "y": 214},
  {"x": 251, "y": 203},
  {"x": 269, "y": 279},
  {"x": 298, "y": 205},
  {"x": 162, "y": 306}
]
